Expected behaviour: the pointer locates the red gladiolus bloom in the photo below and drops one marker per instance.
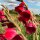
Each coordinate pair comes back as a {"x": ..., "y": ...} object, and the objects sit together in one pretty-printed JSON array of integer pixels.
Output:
[
  {"x": 22, "y": 4},
  {"x": 30, "y": 28},
  {"x": 10, "y": 33},
  {"x": 1, "y": 17},
  {"x": 19, "y": 9},
  {"x": 25, "y": 16},
  {"x": 1, "y": 12},
  {"x": 2, "y": 37}
]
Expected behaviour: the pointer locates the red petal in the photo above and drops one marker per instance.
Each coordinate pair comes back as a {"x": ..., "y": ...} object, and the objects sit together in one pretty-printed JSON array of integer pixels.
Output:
[
  {"x": 26, "y": 15},
  {"x": 19, "y": 9},
  {"x": 10, "y": 33},
  {"x": 1, "y": 12}
]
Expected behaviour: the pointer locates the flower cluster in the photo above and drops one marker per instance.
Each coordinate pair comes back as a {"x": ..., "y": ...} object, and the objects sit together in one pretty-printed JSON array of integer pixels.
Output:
[
  {"x": 25, "y": 16},
  {"x": 10, "y": 31},
  {"x": 23, "y": 12}
]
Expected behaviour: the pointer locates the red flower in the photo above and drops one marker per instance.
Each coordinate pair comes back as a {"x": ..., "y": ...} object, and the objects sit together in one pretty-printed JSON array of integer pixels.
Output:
[
  {"x": 22, "y": 4},
  {"x": 2, "y": 37},
  {"x": 24, "y": 16},
  {"x": 1, "y": 15},
  {"x": 19, "y": 9},
  {"x": 30, "y": 28},
  {"x": 10, "y": 33},
  {"x": 1, "y": 12},
  {"x": 1, "y": 18}
]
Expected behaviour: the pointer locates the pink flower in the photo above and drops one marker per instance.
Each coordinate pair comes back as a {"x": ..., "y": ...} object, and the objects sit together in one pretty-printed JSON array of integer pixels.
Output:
[
  {"x": 1, "y": 12},
  {"x": 24, "y": 16},
  {"x": 2, "y": 16},
  {"x": 19, "y": 9},
  {"x": 30, "y": 28},
  {"x": 10, "y": 33}
]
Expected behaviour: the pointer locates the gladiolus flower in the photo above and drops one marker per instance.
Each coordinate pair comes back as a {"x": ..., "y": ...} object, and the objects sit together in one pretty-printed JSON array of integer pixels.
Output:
[
  {"x": 1, "y": 12},
  {"x": 11, "y": 34},
  {"x": 2, "y": 16},
  {"x": 19, "y": 9},
  {"x": 30, "y": 28},
  {"x": 25, "y": 16}
]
